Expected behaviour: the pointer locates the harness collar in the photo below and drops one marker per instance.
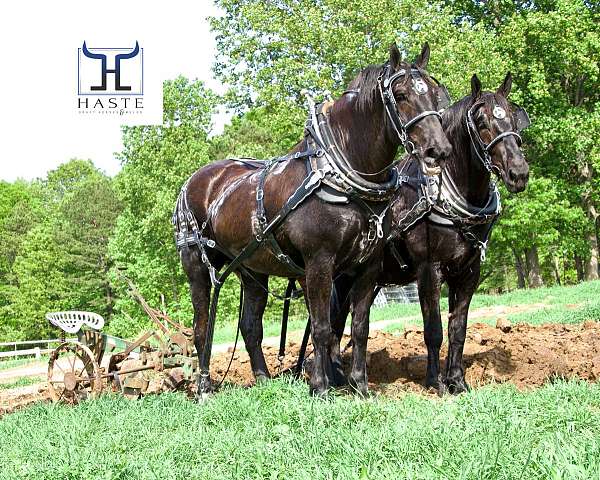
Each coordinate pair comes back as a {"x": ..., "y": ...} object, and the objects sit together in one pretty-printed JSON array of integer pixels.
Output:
[{"x": 339, "y": 174}]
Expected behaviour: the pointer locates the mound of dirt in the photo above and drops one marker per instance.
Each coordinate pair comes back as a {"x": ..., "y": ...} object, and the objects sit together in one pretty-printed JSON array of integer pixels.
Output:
[{"x": 525, "y": 355}]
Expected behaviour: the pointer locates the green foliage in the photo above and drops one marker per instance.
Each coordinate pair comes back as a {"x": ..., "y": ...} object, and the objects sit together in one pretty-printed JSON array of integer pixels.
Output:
[
  {"x": 543, "y": 215},
  {"x": 269, "y": 51},
  {"x": 54, "y": 251},
  {"x": 157, "y": 160},
  {"x": 263, "y": 132},
  {"x": 276, "y": 430}
]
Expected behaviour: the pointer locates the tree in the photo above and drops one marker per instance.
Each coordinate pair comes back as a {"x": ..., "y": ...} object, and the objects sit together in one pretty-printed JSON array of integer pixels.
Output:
[
  {"x": 269, "y": 51},
  {"x": 537, "y": 227},
  {"x": 87, "y": 218},
  {"x": 555, "y": 56},
  {"x": 54, "y": 250}
]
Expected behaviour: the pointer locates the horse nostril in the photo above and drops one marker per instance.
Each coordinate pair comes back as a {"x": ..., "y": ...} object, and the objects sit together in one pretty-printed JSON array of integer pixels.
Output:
[{"x": 432, "y": 152}]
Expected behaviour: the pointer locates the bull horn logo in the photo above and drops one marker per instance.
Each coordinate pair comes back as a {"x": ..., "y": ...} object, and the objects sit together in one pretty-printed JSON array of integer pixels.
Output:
[{"x": 116, "y": 70}]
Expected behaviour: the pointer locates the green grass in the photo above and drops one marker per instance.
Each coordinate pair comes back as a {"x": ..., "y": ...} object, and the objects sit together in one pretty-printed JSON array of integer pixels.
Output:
[
  {"x": 276, "y": 431},
  {"x": 570, "y": 304},
  {"x": 585, "y": 295},
  {"x": 21, "y": 362},
  {"x": 21, "y": 382},
  {"x": 558, "y": 295}
]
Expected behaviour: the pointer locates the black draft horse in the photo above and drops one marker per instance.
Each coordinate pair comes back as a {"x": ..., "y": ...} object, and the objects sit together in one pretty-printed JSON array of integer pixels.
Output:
[
  {"x": 446, "y": 245},
  {"x": 324, "y": 238}
]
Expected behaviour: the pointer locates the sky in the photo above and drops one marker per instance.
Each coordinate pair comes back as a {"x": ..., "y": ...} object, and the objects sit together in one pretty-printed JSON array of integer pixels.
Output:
[{"x": 38, "y": 47}]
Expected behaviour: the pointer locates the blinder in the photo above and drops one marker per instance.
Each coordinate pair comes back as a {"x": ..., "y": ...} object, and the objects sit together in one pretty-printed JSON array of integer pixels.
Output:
[{"x": 521, "y": 117}]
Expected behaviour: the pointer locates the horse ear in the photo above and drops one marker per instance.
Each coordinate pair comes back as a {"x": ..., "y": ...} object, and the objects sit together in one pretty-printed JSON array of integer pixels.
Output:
[
  {"x": 423, "y": 58},
  {"x": 475, "y": 87},
  {"x": 394, "y": 56},
  {"x": 504, "y": 89}
]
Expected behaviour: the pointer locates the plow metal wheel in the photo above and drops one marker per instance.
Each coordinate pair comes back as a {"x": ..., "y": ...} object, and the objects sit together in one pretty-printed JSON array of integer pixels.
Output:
[{"x": 73, "y": 373}]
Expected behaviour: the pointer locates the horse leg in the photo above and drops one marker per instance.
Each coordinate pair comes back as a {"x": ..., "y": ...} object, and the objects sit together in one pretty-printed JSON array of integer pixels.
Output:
[
  {"x": 460, "y": 292},
  {"x": 340, "y": 306},
  {"x": 429, "y": 285},
  {"x": 255, "y": 301},
  {"x": 362, "y": 298},
  {"x": 319, "y": 279},
  {"x": 200, "y": 286}
]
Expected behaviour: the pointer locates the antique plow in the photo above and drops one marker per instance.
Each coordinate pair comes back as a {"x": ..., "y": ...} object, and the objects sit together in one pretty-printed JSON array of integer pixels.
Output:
[{"x": 159, "y": 360}]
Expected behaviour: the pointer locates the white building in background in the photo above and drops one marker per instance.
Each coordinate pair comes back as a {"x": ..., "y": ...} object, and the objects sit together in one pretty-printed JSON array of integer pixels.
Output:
[{"x": 395, "y": 294}]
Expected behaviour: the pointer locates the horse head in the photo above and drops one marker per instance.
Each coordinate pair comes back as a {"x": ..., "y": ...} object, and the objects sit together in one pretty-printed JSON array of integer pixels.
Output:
[
  {"x": 418, "y": 100},
  {"x": 494, "y": 125}
]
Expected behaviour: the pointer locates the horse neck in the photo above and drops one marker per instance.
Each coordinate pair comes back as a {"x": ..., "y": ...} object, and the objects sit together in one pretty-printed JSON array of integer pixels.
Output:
[
  {"x": 470, "y": 176},
  {"x": 363, "y": 138}
]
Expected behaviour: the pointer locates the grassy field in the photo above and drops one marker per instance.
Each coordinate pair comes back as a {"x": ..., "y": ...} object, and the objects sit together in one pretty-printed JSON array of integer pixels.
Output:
[
  {"x": 21, "y": 362},
  {"x": 21, "y": 382},
  {"x": 571, "y": 304},
  {"x": 276, "y": 431}
]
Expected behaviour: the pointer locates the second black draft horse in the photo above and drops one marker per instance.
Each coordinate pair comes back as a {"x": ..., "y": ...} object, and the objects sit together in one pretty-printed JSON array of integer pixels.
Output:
[{"x": 446, "y": 242}]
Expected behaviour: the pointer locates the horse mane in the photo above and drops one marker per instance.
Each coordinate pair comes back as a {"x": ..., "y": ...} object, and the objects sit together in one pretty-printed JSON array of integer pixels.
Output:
[
  {"x": 453, "y": 122},
  {"x": 366, "y": 83}
]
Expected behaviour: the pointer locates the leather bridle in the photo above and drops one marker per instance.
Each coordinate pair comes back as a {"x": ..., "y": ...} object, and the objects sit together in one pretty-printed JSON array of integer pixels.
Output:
[
  {"x": 386, "y": 81},
  {"x": 482, "y": 149}
]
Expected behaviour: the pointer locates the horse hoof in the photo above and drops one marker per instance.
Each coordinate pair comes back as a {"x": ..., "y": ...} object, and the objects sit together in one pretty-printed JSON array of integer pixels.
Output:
[
  {"x": 319, "y": 388},
  {"x": 438, "y": 385},
  {"x": 339, "y": 379},
  {"x": 456, "y": 387},
  {"x": 360, "y": 386},
  {"x": 203, "y": 397},
  {"x": 319, "y": 392},
  {"x": 262, "y": 378}
]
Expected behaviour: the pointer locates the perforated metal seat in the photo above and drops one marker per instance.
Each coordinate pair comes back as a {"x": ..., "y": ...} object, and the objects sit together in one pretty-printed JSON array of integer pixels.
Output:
[{"x": 72, "y": 321}]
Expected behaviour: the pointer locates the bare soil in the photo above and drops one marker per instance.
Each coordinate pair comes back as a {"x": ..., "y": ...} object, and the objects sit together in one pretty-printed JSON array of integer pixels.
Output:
[
  {"x": 525, "y": 355},
  {"x": 15, "y": 398}
]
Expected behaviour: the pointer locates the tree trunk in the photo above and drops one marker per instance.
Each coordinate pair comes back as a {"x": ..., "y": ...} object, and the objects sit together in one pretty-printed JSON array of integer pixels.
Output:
[
  {"x": 591, "y": 265},
  {"x": 586, "y": 171},
  {"x": 556, "y": 265},
  {"x": 579, "y": 268},
  {"x": 520, "y": 269},
  {"x": 533, "y": 265}
]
